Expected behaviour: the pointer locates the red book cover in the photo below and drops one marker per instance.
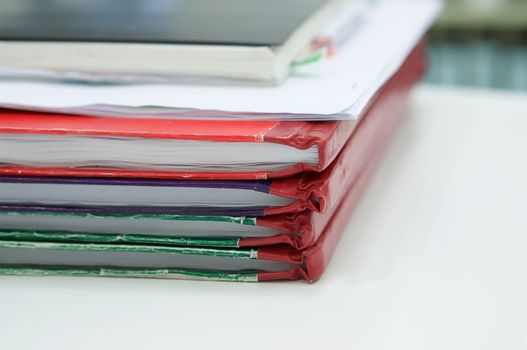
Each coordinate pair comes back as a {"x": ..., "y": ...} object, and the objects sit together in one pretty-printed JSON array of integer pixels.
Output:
[
  {"x": 313, "y": 260},
  {"x": 329, "y": 137}
]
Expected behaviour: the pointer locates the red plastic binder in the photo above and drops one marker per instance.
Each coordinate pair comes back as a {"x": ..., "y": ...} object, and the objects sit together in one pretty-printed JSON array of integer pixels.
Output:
[
  {"x": 308, "y": 264},
  {"x": 313, "y": 260},
  {"x": 329, "y": 137}
]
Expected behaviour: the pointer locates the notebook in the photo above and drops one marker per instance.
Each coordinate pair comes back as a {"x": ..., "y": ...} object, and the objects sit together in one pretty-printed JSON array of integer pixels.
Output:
[
  {"x": 236, "y": 39},
  {"x": 59, "y": 145}
]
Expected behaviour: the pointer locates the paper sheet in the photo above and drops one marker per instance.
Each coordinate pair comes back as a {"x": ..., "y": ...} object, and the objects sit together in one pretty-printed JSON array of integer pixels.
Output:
[{"x": 338, "y": 88}]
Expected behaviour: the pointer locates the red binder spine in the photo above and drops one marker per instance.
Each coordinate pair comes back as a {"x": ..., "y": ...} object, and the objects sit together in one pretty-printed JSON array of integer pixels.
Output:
[
  {"x": 318, "y": 256},
  {"x": 315, "y": 258},
  {"x": 313, "y": 134},
  {"x": 313, "y": 261},
  {"x": 302, "y": 135}
]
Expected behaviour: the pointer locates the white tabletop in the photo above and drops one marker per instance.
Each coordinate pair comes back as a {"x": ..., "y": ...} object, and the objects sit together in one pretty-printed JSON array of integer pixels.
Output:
[{"x": 433, "y": 258}]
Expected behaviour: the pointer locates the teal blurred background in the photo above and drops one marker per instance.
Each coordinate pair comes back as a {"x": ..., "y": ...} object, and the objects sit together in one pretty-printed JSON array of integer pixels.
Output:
[{"x": 480, "y": 43}]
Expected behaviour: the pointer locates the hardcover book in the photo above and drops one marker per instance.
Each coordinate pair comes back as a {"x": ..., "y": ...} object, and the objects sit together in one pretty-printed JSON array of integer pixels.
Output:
[{"x": 26, "y": 257}]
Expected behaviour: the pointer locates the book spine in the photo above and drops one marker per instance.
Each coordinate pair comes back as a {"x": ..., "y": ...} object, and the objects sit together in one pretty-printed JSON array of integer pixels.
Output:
[
  {"x": 316, "y": 258},
  {"x": 297, "y": 230}
]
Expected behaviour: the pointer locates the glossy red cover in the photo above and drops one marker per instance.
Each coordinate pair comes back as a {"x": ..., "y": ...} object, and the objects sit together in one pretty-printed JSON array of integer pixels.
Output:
[
  {"x": 313, "y": 260},
  {"x": 329, "y": 137}
]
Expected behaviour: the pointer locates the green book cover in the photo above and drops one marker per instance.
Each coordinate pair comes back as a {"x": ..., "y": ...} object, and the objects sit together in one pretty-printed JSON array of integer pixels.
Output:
[
  {"x": 79, "y": 237},
  {"x": 19, "y": 257},
  {"x": 187, "y": 230}
]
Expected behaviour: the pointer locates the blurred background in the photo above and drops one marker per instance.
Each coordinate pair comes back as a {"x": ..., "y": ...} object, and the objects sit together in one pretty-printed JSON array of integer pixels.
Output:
[{"x": 480, "y": 43}]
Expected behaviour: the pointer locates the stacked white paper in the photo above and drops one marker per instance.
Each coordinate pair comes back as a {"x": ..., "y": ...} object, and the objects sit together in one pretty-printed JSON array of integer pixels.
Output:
[{"x": 337, "y": 88}]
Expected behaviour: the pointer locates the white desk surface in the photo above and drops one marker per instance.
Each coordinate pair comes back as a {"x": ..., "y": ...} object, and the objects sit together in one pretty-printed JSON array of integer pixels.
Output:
[{"x": 433, "y": 258}]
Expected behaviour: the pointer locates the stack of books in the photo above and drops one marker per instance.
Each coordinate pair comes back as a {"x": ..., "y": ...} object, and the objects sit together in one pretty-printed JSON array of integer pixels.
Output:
[{"x": 195, "y": 144}]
